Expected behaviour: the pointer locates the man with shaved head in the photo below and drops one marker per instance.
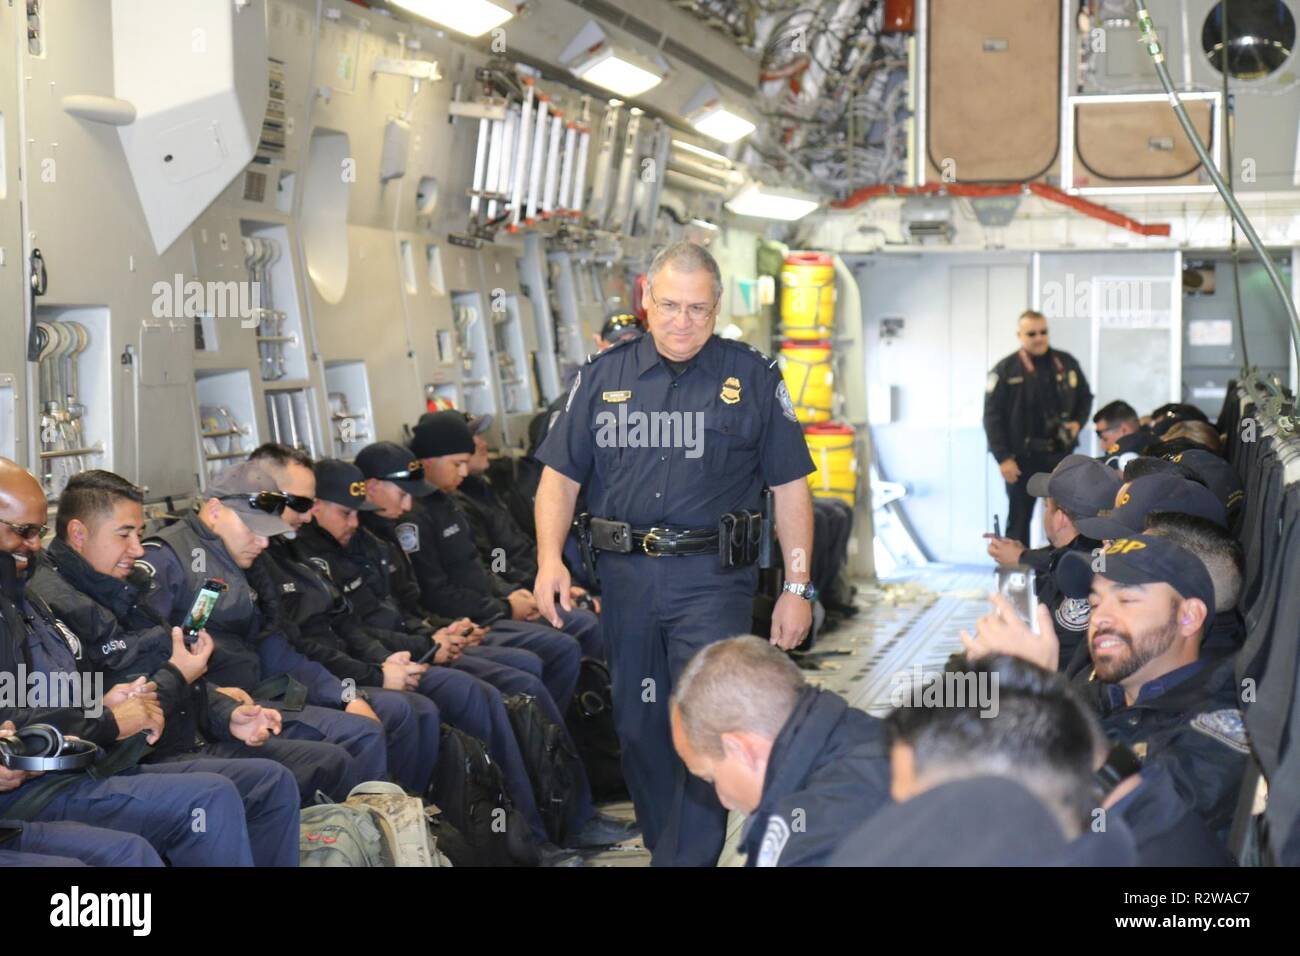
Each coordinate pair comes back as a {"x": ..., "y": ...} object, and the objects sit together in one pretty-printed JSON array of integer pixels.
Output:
[{"x": 158, "y": 808}]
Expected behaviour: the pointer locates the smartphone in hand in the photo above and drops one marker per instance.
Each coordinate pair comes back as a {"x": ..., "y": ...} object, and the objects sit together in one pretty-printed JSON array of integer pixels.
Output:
[
  {"x": 1017, "y": 585},
  {"x": 997, "y": 527},
  {"x": 205, "y": 602}
]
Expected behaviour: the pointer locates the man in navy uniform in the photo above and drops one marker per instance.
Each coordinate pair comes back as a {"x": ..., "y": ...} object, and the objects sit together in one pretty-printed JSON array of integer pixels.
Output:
[
  {"x": 668, "y": 594},
  {"x": 1036, "y": 402},
  {"x": 223, "y": 537}
]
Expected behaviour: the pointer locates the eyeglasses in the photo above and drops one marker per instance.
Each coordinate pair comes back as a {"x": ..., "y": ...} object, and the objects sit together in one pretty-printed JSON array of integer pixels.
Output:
[
  {"x": 670, "y": 310},
  {"x": 299, "y": 503},
  {"x": 26, "y": 531},
  {"x": 272, "y": 502}
]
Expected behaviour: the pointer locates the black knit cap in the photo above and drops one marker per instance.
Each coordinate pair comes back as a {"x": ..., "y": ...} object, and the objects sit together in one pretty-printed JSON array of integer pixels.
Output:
[{"x": 442, "y": 433}]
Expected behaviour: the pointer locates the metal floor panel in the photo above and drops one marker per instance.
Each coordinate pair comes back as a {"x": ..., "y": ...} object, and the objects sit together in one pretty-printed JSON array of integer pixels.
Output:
[{"x": 911, "y": 619}]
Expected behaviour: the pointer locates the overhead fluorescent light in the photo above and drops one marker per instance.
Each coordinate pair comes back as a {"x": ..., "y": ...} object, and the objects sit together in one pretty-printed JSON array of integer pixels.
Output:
[
  {"x": 722, "y": 124},
  {"x": 768, "y": 202},
  {"x": 619, "y": 71},
  {"x": 470, "y": 17}
]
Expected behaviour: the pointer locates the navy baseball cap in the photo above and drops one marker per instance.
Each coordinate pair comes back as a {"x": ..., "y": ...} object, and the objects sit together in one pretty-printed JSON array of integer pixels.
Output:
[
  {"x": 343, "y": 484},
  {"x": 1217, "y": 474},
  {"x": 1138, "y": 559},
  {"x": 1079, "y": 484},
  {"x": 389, "y": 461},
  {"x": 1154, "y": 493},
  {"x": 442, "y": 433},
  {"x": 250, "y": 491}
]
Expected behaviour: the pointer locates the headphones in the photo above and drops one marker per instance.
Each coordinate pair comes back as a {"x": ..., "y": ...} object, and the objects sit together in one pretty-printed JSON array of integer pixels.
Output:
[{"x": 41, "y": 748}]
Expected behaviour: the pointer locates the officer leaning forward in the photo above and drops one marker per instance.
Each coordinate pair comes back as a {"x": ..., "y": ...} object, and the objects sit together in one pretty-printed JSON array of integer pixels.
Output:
[
  {"x": 675, "y": 434},
  {"x": 1036, "y": 402}
]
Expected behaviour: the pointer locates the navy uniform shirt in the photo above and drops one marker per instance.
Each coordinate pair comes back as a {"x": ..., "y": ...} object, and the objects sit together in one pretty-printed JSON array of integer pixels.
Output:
[{"x": 730, "y": 429}]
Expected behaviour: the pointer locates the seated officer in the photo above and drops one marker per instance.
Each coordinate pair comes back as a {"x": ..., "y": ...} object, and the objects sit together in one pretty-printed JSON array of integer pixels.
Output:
[
  {"x": 1151, "y": 603},
  {"x": 222, "y": 538},
  {"x": 1025, "y": 729},
  {"x": 1149, "y": 494},
  {"x": 1212, "y": 471},
  {"x": 469, "y": 701},
  {"x": 1075, "y": 490},
  {"x": 452, "y": 578},
  {"x": 89, "y": 579},
  {"x": 1121, "y": 434},
  {"x": 800, "y": 762},
  {"x": 311, "y": 611},
  {"x": 509, "y": 553}
]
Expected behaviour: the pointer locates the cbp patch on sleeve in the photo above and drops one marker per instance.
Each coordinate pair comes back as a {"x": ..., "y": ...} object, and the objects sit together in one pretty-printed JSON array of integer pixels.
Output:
[
  {"x": 774, "y": 841},
  {"x": 408, "y": 536},
  {"x": 1073, "y": 614},
  {"x": 577, "y": 380},
  {"x": 1225, "y": 726},
  {"x": 787, "y": 406}
]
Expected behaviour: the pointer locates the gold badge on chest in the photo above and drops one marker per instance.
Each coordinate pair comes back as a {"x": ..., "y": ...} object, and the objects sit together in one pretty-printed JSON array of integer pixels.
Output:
[
  {"x": 619, "y": 396},
  {"x": 730, "y": 390}
]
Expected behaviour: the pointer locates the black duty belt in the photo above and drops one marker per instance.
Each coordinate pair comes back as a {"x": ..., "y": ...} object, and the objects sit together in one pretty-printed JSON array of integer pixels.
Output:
[
  {"x": 658, "y": 542},
  {"x": 622, "y": 538}
]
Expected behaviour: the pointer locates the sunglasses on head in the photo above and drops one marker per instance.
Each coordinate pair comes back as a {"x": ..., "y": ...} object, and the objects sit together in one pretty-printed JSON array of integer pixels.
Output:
[{"x": 272, "y": 502}]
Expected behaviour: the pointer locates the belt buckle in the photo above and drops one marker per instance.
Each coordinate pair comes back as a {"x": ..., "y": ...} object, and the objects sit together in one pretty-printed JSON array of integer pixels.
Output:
[{"x": 652, "y": 535}]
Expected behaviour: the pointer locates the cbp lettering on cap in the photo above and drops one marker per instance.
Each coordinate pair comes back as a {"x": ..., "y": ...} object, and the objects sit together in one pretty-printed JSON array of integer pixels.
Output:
[{"x": 340, "y": 494}]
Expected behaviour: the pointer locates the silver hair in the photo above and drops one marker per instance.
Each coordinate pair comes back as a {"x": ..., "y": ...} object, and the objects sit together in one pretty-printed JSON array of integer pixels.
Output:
[
  {"x": 742, "y": 683},
  {"x": 687, "y": 257}
]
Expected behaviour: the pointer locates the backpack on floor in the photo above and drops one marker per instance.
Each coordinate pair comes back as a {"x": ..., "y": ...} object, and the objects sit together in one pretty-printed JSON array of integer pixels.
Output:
[
  {"x": 553, "y": 764},
  {"x": 591, "y": 723},
  {"x": 378, "y": 825},
  {"x": 469, "y": 790}
]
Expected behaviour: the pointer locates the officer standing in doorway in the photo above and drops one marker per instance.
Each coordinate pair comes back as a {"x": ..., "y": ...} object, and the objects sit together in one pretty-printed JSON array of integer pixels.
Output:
[
  {"x": 1036, "y": 402},
  {"x": 670, "y": 582}
]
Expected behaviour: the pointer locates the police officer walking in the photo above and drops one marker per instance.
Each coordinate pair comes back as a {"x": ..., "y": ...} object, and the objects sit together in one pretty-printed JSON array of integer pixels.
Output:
[
  {"x": 670, "y": 582},
  {"x": 1036, "y": 402}
]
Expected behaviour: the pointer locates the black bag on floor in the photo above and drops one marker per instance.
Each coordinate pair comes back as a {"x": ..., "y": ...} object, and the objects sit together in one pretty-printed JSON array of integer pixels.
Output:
[
  {"x": 553, "y": 764},
  {"x": 591, "y": 723},
  {"x": 469, "y": 788}
]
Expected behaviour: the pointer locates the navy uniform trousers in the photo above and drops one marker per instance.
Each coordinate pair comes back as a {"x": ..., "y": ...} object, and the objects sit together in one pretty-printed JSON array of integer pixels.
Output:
[
  {"x": 164, "y": 808},
  {"x": 64, "y": 843},
  {"x": 658, "y": 612}
]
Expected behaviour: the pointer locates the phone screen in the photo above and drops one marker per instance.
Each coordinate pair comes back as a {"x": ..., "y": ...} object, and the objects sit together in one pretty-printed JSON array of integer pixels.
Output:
[
  {"x": 205, "y": 603},
  {"x": 1017, "y": 586}
]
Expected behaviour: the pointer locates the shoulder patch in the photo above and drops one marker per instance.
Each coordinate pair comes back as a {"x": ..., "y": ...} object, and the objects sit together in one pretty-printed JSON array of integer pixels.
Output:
[
  {"x": 320, "y": 564},
  {"x": 146, "y": 567},
  {"x": 74, "y": 642},
  {"x": 1073, "y": 614},
  {"x": 787, "y": 406},
  {"x": 774, "y": 841},
  {"x": 408, "y": 536},
  {"x": 1225, "y": 726}
]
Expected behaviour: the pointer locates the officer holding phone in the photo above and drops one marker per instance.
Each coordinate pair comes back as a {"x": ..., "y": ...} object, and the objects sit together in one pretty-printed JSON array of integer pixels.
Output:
[{"x": 669, "y": 585}]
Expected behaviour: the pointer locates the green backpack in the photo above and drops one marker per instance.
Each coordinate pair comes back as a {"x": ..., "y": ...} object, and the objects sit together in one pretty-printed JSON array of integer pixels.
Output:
[{"x": 378, "y": 825}]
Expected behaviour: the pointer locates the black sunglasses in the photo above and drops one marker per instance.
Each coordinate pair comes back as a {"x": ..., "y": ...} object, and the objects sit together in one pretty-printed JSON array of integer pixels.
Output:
[
  {"x": 299, "y": 503},
  {"x": 272, "y": 502}
]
